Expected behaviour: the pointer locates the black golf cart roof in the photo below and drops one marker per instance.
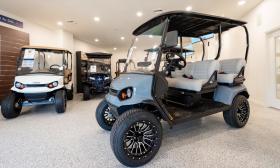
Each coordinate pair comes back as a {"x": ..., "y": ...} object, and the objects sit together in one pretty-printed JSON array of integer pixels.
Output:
[
  {"x": 99, "y": 55},
  {"x": 45, "y": 48},
  {"x": 190, "y": 24}
]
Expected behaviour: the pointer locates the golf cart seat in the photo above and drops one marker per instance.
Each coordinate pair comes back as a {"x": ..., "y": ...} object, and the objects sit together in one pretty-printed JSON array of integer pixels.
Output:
[
  {"x": 232, "y": 71},
  {"x": 196, "y": 76}
]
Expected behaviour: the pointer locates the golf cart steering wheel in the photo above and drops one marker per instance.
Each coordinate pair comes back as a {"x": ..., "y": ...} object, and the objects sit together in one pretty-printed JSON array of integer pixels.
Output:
[
  {"x": 174, "y": 63},
  {"x": 55, "y": 67}
]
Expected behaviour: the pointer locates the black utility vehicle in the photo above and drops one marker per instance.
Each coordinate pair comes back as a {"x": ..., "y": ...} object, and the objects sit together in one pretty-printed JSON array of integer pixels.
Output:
[{"x": 97, "y": 77}]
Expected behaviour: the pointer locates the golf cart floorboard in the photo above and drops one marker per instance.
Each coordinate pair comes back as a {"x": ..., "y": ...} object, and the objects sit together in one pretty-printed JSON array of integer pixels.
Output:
[{"x": 204, "y": 108}]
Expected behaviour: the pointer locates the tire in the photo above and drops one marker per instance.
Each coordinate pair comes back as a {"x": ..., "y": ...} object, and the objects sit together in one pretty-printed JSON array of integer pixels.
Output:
[
  {"x": 238, "y": 115},
  {"x": 60, "y": 101},
  {"x": 123, "y": 142},
  {"x": 86, "y": 95},
  {"x": 104, "y": 117},
  {"x": 70, "y": 94},
  {"x": 11, "y": 106}
]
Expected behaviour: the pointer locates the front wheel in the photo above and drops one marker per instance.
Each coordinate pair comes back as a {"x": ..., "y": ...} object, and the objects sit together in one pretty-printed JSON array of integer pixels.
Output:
[
  {"x": 11, "y": 106},
  {"x": 238, "y": 115},
  {"x": 86, "y": 94},
  {"x": 104, "y": 117},
  {"x": 136, "y": 137},
  {"x": 60, "y": 101}
]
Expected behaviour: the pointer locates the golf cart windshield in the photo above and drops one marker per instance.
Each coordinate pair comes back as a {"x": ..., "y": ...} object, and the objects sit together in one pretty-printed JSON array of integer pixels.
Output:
[
  {"x": 41, "y": 61},
  {"x": 140, "y": 60},
  {"x": 98, "y": 68}
]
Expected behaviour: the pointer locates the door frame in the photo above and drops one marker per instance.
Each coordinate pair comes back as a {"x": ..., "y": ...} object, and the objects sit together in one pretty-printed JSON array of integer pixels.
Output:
[{"x": 272, "y": 100}]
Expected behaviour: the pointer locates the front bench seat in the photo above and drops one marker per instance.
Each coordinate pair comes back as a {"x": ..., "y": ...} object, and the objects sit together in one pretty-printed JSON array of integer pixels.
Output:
[
  {"x": 201, "y": 72},
  {"x": 232, "y": 71}
]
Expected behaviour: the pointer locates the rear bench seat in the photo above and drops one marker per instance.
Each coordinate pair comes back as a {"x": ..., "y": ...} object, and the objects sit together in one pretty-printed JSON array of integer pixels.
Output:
[
  {"x": 232, "y": 71},
  {"x": 201, "y": 72}
]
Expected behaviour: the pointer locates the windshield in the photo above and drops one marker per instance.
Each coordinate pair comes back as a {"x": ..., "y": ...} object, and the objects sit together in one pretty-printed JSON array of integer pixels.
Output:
[
  {"x": 98, "y": 67},
  {"x": 143, "y": 53},
  {"x": 41, "y": 61}
]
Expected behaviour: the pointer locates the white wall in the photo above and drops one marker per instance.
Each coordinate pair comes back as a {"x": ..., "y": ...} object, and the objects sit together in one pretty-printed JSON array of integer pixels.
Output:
[
  {"x": 41, "y": 36},
  {"x": 262, "y": 20}
]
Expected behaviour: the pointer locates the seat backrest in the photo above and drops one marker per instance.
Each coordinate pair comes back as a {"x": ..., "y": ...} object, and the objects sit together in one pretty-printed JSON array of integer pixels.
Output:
[
  {"x": 204, "y": 69},
  {"x": 232, "y": 66}
]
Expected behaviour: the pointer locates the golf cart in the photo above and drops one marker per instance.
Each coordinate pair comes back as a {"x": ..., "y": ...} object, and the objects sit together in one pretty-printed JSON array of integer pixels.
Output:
[
  {"x": 44, "y": 76},
  {"x": 139, "y": 99},
  {"x": 98, "y": 74}
]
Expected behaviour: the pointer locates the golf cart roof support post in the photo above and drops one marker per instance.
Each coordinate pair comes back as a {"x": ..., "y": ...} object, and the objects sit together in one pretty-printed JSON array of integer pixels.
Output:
[
  {"x": 128, "y": 53},
  {"x": 247, "y": 41},
  {"x": 181, "y": 45},
  {"x": 165, "y": 30},
  {"x": 203, "y": 50},
  {"x": 220, "y": 42}
]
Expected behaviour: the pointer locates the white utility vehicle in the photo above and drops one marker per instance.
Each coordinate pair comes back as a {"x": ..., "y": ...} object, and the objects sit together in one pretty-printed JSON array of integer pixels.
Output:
[{"x": 43, "y": 76}]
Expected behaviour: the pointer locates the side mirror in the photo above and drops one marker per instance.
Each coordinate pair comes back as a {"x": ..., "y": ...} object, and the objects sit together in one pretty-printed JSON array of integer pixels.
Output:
[{"x": 171, "y": 39}]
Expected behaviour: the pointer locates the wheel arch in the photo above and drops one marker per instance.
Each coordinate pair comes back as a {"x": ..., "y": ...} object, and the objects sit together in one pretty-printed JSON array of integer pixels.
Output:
[
  {"x": 147, "y": 105},
  {"x": 226, "y": 94},
  {"x": 244, "y": 93}
]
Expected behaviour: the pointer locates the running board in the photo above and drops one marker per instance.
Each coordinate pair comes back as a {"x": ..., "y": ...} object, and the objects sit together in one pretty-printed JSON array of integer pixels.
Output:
[{"x": 202, "y": 109}]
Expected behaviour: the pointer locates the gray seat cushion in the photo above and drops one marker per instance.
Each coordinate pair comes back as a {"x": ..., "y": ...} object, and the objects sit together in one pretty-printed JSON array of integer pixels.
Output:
[
  {"x": 230, "y": 69},
  {"x": 200, "y": 71}
]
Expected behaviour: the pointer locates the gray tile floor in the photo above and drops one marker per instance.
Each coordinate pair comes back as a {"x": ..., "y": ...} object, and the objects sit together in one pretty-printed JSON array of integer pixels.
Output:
[{"x": 42, "y": 138}]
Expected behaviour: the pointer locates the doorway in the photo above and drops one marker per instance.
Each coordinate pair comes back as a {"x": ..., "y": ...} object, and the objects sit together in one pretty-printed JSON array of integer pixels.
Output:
[{"x": 273, "y": 98}]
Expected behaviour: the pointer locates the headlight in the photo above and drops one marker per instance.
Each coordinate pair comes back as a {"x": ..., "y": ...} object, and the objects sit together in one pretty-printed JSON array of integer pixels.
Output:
[
  {"x": 92, "y": 78},
  {"x": 107, "y": 78},
  {"x": 53, "y": 84},
  {"x": 19, "y": 85},
  {"x": 126, "y": 93}
]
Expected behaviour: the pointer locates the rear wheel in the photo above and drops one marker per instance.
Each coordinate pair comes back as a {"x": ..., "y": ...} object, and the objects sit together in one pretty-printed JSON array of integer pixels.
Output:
[
  {"x": 11, "y": 106},
  {"x": 86, "y": 95},
  {"x": 238, "y": 115},
  {"x": 70, "y": 94},
  {"x": 104, "y": 117},
  {"x": 136, "y": 137},
  {"x": 60, "y": 101}
]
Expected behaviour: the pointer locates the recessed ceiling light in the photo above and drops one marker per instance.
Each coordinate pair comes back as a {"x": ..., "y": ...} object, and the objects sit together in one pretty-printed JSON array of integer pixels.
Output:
[
  {"x": 96, "y": 40},
  {"x": 122, "y": 38},
  {"x": 189, "y": 8},
  {"x": 115, "y": 48},
  {"x": 97, "y": 19},
  {"x": 151, "y": 36},
  {"x": 136, "y": 39},
  {"x": 139, "y": 14},
  {"x": 60, "y": 23},
  {"x": 241, "y": 2}
]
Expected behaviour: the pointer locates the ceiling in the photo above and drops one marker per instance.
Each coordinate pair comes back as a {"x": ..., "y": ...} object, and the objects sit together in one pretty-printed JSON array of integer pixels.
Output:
[{"x": 117, "y": 17}]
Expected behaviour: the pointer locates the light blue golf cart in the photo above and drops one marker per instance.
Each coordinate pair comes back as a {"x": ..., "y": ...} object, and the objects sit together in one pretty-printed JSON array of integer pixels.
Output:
[{"x": 164, "y": 86}]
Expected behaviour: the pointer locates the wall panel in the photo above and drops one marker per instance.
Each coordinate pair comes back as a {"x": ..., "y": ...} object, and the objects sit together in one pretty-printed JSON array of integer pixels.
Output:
[{"x": 10, "y": 43}]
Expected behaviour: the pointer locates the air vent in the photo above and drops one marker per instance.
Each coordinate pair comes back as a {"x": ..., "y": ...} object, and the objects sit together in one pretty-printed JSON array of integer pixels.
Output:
[{"x": 157, "y": 10}]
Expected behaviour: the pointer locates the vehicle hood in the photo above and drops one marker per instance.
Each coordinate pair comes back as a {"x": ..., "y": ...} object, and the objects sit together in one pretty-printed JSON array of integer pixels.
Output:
[
  {"x": 132, "y": 80},
  {"x": 39, "y": 79}
]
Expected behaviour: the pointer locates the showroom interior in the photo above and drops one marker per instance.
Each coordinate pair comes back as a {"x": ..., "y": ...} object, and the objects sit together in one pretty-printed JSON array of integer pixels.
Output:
[{"x": 182, "y": 83}]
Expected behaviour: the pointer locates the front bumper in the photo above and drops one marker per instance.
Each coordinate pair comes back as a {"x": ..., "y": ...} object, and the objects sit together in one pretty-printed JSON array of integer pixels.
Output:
[{"x": 99, "y": 86}]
